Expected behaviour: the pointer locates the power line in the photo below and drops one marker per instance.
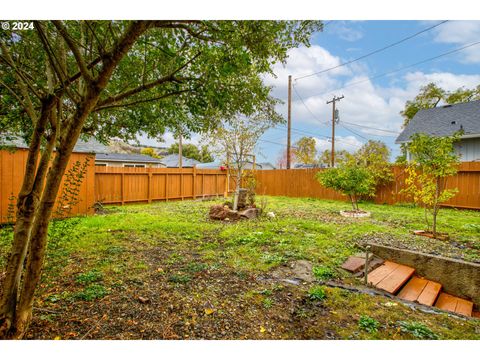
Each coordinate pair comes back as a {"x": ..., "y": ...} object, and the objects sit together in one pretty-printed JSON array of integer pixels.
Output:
[
  {"x": 304, "y": 132},
  {"x": 306, "y": 107},
  {"x": 353, "y": 132},
  {"x": 373, "y": 128},
  {"x": 373, "y": 52},
  {"x": 402, "y": 68}
]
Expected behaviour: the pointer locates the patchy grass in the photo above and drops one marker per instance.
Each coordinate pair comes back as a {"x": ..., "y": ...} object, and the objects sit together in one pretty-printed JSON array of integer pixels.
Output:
[{"x": 164, "y": 271}]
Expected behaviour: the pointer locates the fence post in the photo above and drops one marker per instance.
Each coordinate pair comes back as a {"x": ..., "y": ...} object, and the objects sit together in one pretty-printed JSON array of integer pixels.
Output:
[
  {"x": 203, "y": 186},
  {"x": 122, "y": 193},
  {"x": 166, "y": 186},
  {"x": 181, "y": 183},
  {"x": 149, "y": 187},
  {"x": 216, "y": 185},
  {"x": 194, "y": 182}
]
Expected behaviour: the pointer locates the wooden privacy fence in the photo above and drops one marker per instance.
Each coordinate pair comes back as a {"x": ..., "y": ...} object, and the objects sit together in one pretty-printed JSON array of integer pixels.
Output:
[
  {"x": 111, "y": 185},
  {"x": 302, "y": 183},
  {"x": 12, "y": 171},
  {"x": 125, "y": 185}
]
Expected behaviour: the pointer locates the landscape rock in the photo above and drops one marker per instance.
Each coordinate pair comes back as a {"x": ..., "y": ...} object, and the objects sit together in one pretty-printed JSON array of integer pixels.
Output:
[
  {"x": 250, "y": 213},
  {"x": 220, "y": 212}
]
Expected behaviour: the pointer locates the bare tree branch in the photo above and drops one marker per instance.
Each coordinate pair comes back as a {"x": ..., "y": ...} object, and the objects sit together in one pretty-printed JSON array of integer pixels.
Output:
[{"x": 22, "y": 84}]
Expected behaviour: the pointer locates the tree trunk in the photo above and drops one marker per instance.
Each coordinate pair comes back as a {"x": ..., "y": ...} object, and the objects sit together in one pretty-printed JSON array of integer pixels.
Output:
[
  {"x": 352, "y": 201},
  {"x": 26, "y": 204},
  {"x": 435, "y": 207}
]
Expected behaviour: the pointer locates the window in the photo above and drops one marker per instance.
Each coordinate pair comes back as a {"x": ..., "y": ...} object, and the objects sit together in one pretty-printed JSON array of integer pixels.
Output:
[
  {"x": 100, "y": 164},
  {"x": 134, "y": 165}
]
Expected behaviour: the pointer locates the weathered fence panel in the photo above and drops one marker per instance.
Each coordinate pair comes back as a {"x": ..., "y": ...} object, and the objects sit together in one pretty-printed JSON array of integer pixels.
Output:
[{"x": 302, "y": 183}]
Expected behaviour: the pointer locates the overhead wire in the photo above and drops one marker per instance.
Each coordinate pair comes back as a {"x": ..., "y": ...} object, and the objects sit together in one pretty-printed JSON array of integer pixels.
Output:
[{"x": 373, "y": 52}]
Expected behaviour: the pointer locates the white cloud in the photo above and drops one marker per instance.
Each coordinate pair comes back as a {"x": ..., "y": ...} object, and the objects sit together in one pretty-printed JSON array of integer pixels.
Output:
[
  {"x": 461, "y": 33},
  {"x": 364, "y": 103},
  {"x": 349, "y": 143},
  {"x": 346, "y": 33},
  {"x": 168, "y": 139}
]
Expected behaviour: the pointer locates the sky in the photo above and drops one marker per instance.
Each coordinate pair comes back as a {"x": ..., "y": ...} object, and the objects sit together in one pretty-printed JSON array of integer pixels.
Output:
[{"x": 371, "y": 100}]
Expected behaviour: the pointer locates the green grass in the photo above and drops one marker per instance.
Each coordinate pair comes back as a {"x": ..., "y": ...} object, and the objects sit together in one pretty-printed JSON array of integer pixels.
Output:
[{"x": 174, "y": 243}]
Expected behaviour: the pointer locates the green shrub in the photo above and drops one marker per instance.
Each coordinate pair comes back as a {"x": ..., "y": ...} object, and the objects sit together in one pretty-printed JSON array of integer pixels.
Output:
[{"x": 350, "y": 179}]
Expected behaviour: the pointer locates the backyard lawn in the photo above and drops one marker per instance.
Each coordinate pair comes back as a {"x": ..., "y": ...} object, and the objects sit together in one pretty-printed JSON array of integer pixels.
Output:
[{"x": 164, "y": 271}]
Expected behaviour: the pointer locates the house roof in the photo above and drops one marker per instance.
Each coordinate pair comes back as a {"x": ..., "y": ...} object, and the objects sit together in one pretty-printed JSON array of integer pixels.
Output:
[
  {"x": 90, "y": 146},
  {"x": 173, "y": 159},
  {"x": 266, "y": 166},
  {"x": 127, "y": 158},
  {"x": 444, "y": 121}
]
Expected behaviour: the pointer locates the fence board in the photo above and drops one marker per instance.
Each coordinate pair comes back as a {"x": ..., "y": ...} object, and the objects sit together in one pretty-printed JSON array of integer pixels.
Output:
[{"x": 154, "y": 184}]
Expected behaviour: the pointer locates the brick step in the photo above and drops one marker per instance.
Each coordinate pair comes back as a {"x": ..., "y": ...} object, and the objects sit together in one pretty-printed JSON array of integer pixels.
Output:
[
  {"x": 420, "y": 290},
  {"x": 454, "y": 304},
  {"x": 390, "y": 276}
]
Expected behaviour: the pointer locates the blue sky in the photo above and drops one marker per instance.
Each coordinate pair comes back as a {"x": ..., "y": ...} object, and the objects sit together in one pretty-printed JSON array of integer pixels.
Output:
[{"x": 373, "y": 103}]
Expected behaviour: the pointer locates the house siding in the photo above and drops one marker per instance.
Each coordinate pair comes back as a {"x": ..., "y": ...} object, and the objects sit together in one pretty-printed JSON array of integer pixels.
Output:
[{"x": 469, "y": 149}]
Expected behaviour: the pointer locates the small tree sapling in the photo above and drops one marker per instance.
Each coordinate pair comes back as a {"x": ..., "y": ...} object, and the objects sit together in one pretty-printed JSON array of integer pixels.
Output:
[{"x": 350, "y": 179}]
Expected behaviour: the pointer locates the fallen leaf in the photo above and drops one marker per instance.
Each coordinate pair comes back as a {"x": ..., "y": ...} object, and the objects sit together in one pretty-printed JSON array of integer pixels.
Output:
[
  {"x": 209, "y": 311},
  {"x": 57, "y": 338},
  {"x": 262, "y": 329},
  {"x": 143, "y": 300}
]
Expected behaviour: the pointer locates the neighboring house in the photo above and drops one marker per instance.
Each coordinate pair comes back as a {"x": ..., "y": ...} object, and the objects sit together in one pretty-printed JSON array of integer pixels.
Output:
[
  {"x": 172, "y": 161},
  {"x": 265, "y": 166},
  {"x": 128, "y": 160},
  {"x": 248, "y": 165},
  {"x": 103, "y": 156},
  {"x": 445, "y": 121}
]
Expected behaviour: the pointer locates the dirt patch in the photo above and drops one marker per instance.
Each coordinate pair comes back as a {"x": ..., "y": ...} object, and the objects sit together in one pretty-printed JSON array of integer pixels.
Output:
[{"x": 299, "y": 270}]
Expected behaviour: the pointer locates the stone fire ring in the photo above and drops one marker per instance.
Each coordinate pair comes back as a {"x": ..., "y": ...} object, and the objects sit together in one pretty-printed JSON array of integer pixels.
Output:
[{"x": 356, "y": 214}]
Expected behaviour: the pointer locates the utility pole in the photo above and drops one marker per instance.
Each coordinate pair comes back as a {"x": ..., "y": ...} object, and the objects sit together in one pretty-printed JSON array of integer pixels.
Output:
[
  {"x": 289, "y": 127},
  {"x": 334, "y": 117}
]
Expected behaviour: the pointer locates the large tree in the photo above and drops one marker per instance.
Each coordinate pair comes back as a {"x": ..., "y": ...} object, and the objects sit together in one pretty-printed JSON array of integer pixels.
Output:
[
  {"x": 374, "y": 156},
  {"x": 431, "y": 95},
  {"x": 191, "y": 151},
  {"x": 305, "y": 150},
  {"x": 106, "y": 79}
]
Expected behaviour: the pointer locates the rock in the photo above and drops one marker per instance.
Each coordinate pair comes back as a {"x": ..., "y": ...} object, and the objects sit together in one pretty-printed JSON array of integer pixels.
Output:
[
  {"x": 271, "y": 215},
  {"x": 250, "y": 213},
  {"x": 298, "y": 270},
  {"x": 219, "y": 212}
]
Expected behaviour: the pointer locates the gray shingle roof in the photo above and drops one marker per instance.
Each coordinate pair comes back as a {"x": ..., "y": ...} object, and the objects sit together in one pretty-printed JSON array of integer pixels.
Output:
[
  {"x": 172, "y": 161},
  {"x": 89, "y": 146},
  {"x": 444, "y": 121},
  {"x": 127, "y": 158}
]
